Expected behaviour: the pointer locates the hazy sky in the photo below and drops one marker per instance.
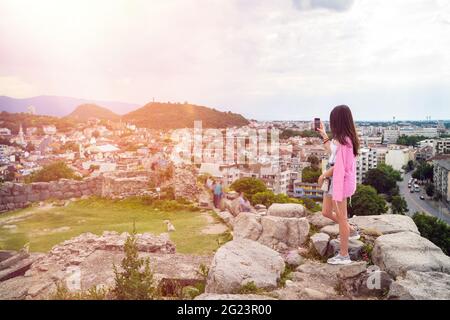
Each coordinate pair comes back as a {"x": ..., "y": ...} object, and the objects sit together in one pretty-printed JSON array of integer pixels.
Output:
[{"x": 291, "y": 59}]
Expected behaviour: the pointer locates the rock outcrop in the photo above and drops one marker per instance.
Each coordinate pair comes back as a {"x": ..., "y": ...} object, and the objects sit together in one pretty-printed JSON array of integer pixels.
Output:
[
  {"x": 287, "y": 210},
  {"x": 277, "y": 232},
  {"x": 421, "y": 286},
  {"x": 400, "y": 252},
  {"x": 385, "y": 224},
  {"x": 241, "y": 262},
  {"x": 319, "y": 242},
  {"x": 88, "y": 261}
]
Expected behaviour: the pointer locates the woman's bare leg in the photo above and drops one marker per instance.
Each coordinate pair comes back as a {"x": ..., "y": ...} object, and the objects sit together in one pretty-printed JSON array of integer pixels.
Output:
[
  {"x": 344, "y": 228},
  {"x": 327, "y": 208}
]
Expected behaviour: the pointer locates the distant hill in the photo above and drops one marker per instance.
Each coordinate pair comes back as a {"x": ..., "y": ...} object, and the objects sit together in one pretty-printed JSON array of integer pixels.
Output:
[
  {"x": 59, "y": 106},
  {"x": 13, "y": 121},
  {"x": 86, "y": 111},
  {"x": 157, "y": 115}
]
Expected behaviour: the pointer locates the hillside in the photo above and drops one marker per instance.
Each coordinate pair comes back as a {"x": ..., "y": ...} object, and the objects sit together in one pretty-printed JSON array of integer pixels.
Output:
[
  {"x": 169, "y": 115},
  {"x": 13, "y": 121},
  {"x": 58, "y": 106},
  {"x": 86, "y": 111}
]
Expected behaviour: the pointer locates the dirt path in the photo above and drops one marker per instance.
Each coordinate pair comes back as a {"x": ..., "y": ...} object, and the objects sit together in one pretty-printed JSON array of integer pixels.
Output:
[{"x": 213, "y": 227}]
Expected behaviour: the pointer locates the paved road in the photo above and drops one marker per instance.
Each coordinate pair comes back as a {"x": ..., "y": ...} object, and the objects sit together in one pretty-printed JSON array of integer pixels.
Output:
[{"x": 427, "y": 206}]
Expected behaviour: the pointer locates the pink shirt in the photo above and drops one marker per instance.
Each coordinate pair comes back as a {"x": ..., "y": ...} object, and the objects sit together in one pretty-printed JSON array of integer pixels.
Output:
[{"x": 344, "y": 172}]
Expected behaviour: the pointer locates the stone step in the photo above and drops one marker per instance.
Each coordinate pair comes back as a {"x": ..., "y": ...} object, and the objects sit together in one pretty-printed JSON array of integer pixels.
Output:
[{"x": 18, "y": 269}]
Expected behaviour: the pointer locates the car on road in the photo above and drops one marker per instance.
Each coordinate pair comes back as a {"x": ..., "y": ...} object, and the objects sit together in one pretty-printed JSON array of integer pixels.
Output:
[
  {"x": 412, "y": 190},
  {"x": 422, "y": 198}
]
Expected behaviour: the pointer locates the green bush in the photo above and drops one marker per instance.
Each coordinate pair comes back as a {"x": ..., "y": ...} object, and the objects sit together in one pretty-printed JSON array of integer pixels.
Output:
[
  {"x": 249, "y": 186},
  {"x": 268, "y": 198},
  {"x": 311, "y": 175},
  {"x": 53, "y": 172},
  {"x": 435, "y": 230},
  {"x": 136, "y": 280},
  {"x": 366, "y": 202},
  {"x": 399, "y": 205}
]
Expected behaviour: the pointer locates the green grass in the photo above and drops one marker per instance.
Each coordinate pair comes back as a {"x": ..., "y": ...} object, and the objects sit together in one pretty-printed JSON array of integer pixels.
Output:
[{"x": 97, "y": 215}]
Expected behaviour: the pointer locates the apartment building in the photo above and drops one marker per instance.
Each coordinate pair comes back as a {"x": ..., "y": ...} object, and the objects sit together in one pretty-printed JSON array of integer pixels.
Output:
[
  {"x": 366, "y": 161},
  {"x": 306, "y": 190},
  {"x": 398, "y": 156},
  {"x": 441, "y": 178},
  {"x": 443, "y": 146}
]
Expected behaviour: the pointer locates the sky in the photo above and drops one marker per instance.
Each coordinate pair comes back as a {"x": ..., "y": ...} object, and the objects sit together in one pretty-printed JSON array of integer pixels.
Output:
[{"x": 268, "y": 60}]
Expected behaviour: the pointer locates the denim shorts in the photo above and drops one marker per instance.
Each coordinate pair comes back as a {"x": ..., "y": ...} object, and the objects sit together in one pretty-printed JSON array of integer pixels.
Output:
[{"x": 330, "y": 189}]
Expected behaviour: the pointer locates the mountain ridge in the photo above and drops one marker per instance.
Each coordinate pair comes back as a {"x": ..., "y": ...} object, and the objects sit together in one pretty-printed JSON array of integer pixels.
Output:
[
  {"x": 59, "y": 106},
  {"x": 158, "y": 115}
]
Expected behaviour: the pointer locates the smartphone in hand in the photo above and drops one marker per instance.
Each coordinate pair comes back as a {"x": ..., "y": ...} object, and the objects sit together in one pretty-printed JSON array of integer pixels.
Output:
[{"x": 316, "y": 124}]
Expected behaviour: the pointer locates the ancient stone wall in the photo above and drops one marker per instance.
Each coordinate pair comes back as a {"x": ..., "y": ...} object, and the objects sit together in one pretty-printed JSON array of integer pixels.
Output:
[{"x": 113, "y": 185}]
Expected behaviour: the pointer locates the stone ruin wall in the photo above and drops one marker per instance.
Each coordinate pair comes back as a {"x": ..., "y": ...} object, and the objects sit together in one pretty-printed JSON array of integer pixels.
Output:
[{"x": 118, "y": 184}]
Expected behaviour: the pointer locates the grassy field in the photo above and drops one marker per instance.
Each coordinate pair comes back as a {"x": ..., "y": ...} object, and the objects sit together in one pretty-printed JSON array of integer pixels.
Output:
[{"x": 42, "y": 228}]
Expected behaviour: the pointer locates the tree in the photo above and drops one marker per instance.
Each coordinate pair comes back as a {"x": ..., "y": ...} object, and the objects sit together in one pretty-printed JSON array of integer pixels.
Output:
[
  {"x": 366, "y": 202},
  {"x": 136, "y": 281},
  {"x": 53, "y": 172},
  {"x": 311, "y": 175},
  {"x": 399, "y": 205},
  {"x": 266, "y": 198},
  {"x": 435, "y": 230},
  {"x": 314, "y": 161},
  {"x": 430, "y": 190},
  {"x": 380, "y": 181},
  {"x": 409, "y": 166},
  {"x": 410, "y": 140},
  {"x": 249, "y": 186},
  {"x": 424, "y": 172}
]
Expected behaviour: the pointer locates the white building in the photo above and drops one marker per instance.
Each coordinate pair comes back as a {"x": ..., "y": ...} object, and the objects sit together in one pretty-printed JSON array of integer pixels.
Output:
[
  {"x": 367, "y": 160},
  {"x": 5, "y": 132},
  {"x": 398, "y": 156},
  {"x": 391, "y": 135},
  {"x": 425, "y": 132},
  {"x": 50, "y": 130}
]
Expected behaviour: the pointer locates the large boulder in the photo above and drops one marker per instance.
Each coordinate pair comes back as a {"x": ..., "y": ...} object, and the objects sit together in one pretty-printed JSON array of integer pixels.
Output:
[
  {"x": 320, "y": 241},
  {"x": 240, "y": 262},
  {"x": 385, "y": 224},
  {"x": 400, "y": 252},
  {"x": 319, "y": 221},
  {"x": 355, "y": 248},
  {"x": 280, "y": 232},
  {"x": 287, "y": 210},
  {"x": 247, "y": 226},
  {"x": 227, "y": 217},
  {"x": 421, "y": 286}
]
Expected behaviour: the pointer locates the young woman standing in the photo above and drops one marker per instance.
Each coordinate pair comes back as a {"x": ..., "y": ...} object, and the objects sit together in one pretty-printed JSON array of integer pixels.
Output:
[{"x": 340, "y": 176}]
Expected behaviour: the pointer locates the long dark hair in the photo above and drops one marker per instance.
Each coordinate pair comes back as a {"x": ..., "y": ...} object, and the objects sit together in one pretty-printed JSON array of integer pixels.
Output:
[{"x": 342, "y": 127}]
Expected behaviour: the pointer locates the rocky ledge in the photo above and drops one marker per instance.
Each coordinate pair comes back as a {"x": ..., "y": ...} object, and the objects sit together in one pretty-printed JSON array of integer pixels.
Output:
[{"x": 87, "y": 261}]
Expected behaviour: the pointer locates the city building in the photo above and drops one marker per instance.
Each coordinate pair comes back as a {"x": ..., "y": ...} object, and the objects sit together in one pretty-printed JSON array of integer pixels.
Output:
[
  {"x": 391, "y": 136},
  {"x": 398, "y": 157},
  {"x": 441, "y": 178},
  {"x": 306, "y": 190},
  {"x": 443, "y": 146},
  {"x": 5, "y": 132},
  {"x": 49, "y": 130},
  {"x": 367, "y": 160}
]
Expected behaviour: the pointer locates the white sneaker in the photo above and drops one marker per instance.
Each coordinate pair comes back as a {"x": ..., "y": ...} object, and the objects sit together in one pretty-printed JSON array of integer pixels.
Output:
[{"x": 339, "y": 260}]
